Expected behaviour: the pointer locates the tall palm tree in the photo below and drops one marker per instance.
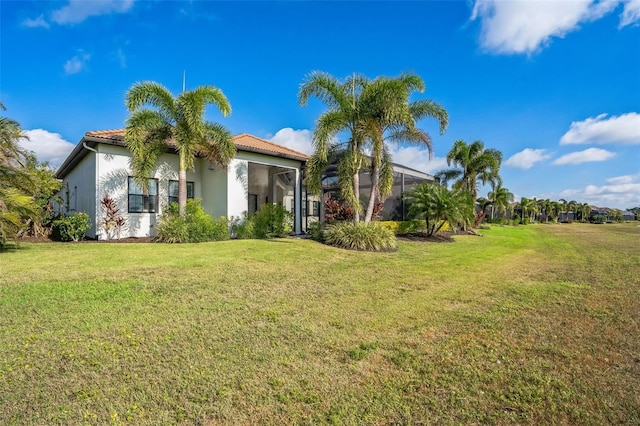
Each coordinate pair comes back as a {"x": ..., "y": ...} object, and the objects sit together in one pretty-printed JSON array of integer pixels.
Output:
[
  {"x": 343, "y": 98},
  {"x": 372, "y": 113},
  {"x": 178, "y": 121},
  {"x": 473, "y": 164},
  {"x": 585, "y": 210},
  {"x": 501, "y": 199},
  {"x": 389, "y": 117}
]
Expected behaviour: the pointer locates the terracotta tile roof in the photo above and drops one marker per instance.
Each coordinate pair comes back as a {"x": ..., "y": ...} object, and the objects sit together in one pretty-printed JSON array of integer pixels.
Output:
[
  {"x": 251, "y": 143},
  {"x": 243, "y": 141}
]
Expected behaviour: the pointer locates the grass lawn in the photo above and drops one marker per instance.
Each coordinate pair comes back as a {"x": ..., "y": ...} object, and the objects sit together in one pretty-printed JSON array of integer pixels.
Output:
[{"x": 534, "y": 324}]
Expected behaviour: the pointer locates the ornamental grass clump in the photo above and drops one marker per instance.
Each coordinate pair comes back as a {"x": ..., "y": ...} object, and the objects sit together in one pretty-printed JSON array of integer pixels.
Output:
[{"x": 360, "y": 236}]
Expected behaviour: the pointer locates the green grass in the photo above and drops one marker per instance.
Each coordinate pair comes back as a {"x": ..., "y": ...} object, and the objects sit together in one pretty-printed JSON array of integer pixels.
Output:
[{"x": 535, "y": 324}]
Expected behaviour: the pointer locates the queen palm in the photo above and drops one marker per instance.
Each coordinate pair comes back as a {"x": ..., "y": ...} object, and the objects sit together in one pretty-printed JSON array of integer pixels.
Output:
[
  {"x": 473, "y": 164},
  {"x": 500, "y": 199},
  {"x": 374, "y": 113},
  {"x": 343, "y": 98},
  {"x": 389, "y": 117},
  {"x": 177, "y": 121}
]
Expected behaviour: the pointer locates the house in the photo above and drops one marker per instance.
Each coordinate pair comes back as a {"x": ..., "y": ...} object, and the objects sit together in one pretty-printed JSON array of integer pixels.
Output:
[{"x": 261, "y": 172}]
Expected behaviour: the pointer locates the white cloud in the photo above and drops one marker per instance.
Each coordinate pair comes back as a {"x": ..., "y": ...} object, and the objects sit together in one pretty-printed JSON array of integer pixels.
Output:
[
  {"x": 526, "y": 26},
  {"x": 35, "y": 23},
  {"x": 417, "y": 158},
  {"x": 300, "y": 140},
  {"x": 47, "y": 146},
  {"x": 77, "y": 63},
  {"x": 79, "y": 10},
  {"x": 630, "y": 14},
  {"x": 588, "y": 155},
  {"x": 621, "y": 192},
  {"x": 622, "y": 129},
  {"x": 526, "y": 158}
]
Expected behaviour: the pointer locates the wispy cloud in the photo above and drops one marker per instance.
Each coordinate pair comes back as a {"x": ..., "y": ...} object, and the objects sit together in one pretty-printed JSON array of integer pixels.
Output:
[
  {"x": 77, "y": 64},
  {"x": 120, "y": 57},
  {"x": 77, "y": 11},
  {"x": 622, "y": 129},
  {"x": 588, "y": 155},
  {"x": 630, "y": 14},
  {"x": 621, "y": 192},
  {"x": 512, "y": 27},
  {"x": 38, "y": 22},
  {"x": 526, "y": 158},
  {"x": 47, "y": 146}
]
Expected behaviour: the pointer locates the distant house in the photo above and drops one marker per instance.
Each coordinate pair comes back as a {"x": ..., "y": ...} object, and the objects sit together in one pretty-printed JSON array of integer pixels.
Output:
[
  {"x": 261, "y": 172},
  {"x": 628, "y": 215}
]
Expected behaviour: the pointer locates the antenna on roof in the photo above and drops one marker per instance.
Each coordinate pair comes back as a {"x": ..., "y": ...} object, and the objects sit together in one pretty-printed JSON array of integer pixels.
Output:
[{"x": 184, "y": 80}]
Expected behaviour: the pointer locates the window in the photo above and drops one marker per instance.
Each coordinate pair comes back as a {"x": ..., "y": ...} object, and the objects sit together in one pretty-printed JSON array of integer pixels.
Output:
[
  {"x": 140, "y": 203},
  {"x": 304, "y": 208},
  {"x": 316, "y": 208},
  {"x": 174, "y": 190}
]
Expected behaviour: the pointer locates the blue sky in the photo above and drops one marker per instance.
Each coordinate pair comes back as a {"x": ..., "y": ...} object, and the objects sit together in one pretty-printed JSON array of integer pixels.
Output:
[{"x": 554, "y": 85}]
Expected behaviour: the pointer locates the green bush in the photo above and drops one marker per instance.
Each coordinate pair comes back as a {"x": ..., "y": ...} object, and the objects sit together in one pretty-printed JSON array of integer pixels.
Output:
[
  {"x": 242, "y": 227},
  {"x": 196, "y": 227},
  {"x": 360, "y": 236},
  {"x": 271, "y": 221},
  {"x": 316, "y": 231},
  {"x": 71, "y": 228}
]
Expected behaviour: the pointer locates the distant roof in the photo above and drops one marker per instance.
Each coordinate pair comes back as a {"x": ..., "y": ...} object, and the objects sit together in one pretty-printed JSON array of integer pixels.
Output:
[{"x": 244, "y": 142}]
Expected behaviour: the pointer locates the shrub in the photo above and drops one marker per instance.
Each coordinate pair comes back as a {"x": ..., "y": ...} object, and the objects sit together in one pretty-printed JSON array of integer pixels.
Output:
[
  {"x": 336, "y": 210},
  {"x": 272, "y": 220},
  {"x": 112, "y": 221},
  {"x": 197, "y": 226},
  {"x": 242, "y": 227},
  {"x": 71, "y": 228},
  {"x": 407, "y": 226},
  {"x": 360, "y": 236},
  {"x": 315, "y": 231}
]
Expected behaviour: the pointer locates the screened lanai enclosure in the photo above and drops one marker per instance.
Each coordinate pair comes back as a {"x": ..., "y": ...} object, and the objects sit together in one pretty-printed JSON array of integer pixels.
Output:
[{"x": 394, "y": 206}]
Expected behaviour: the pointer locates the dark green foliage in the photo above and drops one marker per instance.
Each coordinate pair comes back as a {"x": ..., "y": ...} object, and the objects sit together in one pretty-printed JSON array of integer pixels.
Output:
[
  {"x": 272, "y": 221},
  {"x": 437, "y": 205},
  {"x": 242, "y": 227},
  {"x": 360, "y": 236},
  {"x": 196, "y": 227},
  {"x": 71, "y": 228},
  {"x": 315, "y": 231}
]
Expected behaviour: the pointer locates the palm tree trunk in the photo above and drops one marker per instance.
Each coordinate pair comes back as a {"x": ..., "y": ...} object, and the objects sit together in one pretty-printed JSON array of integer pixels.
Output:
[
  {"x": 182, "y": 186},
  {"x": 375, "y": 180},
  {"x": 356, "y": 192}
]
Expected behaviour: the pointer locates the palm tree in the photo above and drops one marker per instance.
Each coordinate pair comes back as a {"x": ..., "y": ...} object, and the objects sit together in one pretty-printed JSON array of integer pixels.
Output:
[
  {"x": 501, "y": 199},
  {"x": 528, "y": 206},
  {"x": 177, "y": 121},
  {"x": 564, "y": 208},
  {"x": 389, "y": 117},
  {"x": 585, "y": 210},
  {"x": 372, "y": 112},
  {"x": 344, "y": 102},
  {"x": 473, "y": 164},
  {"x": 438, "y": 205},
  {"x": 16, "y": 184},
  {"x": 555, "y": 208},
  {"x": 543, "y": 209}
]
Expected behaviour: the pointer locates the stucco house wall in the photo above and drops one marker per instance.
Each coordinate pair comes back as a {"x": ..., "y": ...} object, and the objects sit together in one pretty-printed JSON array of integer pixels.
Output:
[{"x": 105, "y": 167}]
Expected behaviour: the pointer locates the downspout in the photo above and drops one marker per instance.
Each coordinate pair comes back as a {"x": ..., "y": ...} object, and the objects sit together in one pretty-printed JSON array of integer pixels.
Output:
[{"x": 84, "y": 144}]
